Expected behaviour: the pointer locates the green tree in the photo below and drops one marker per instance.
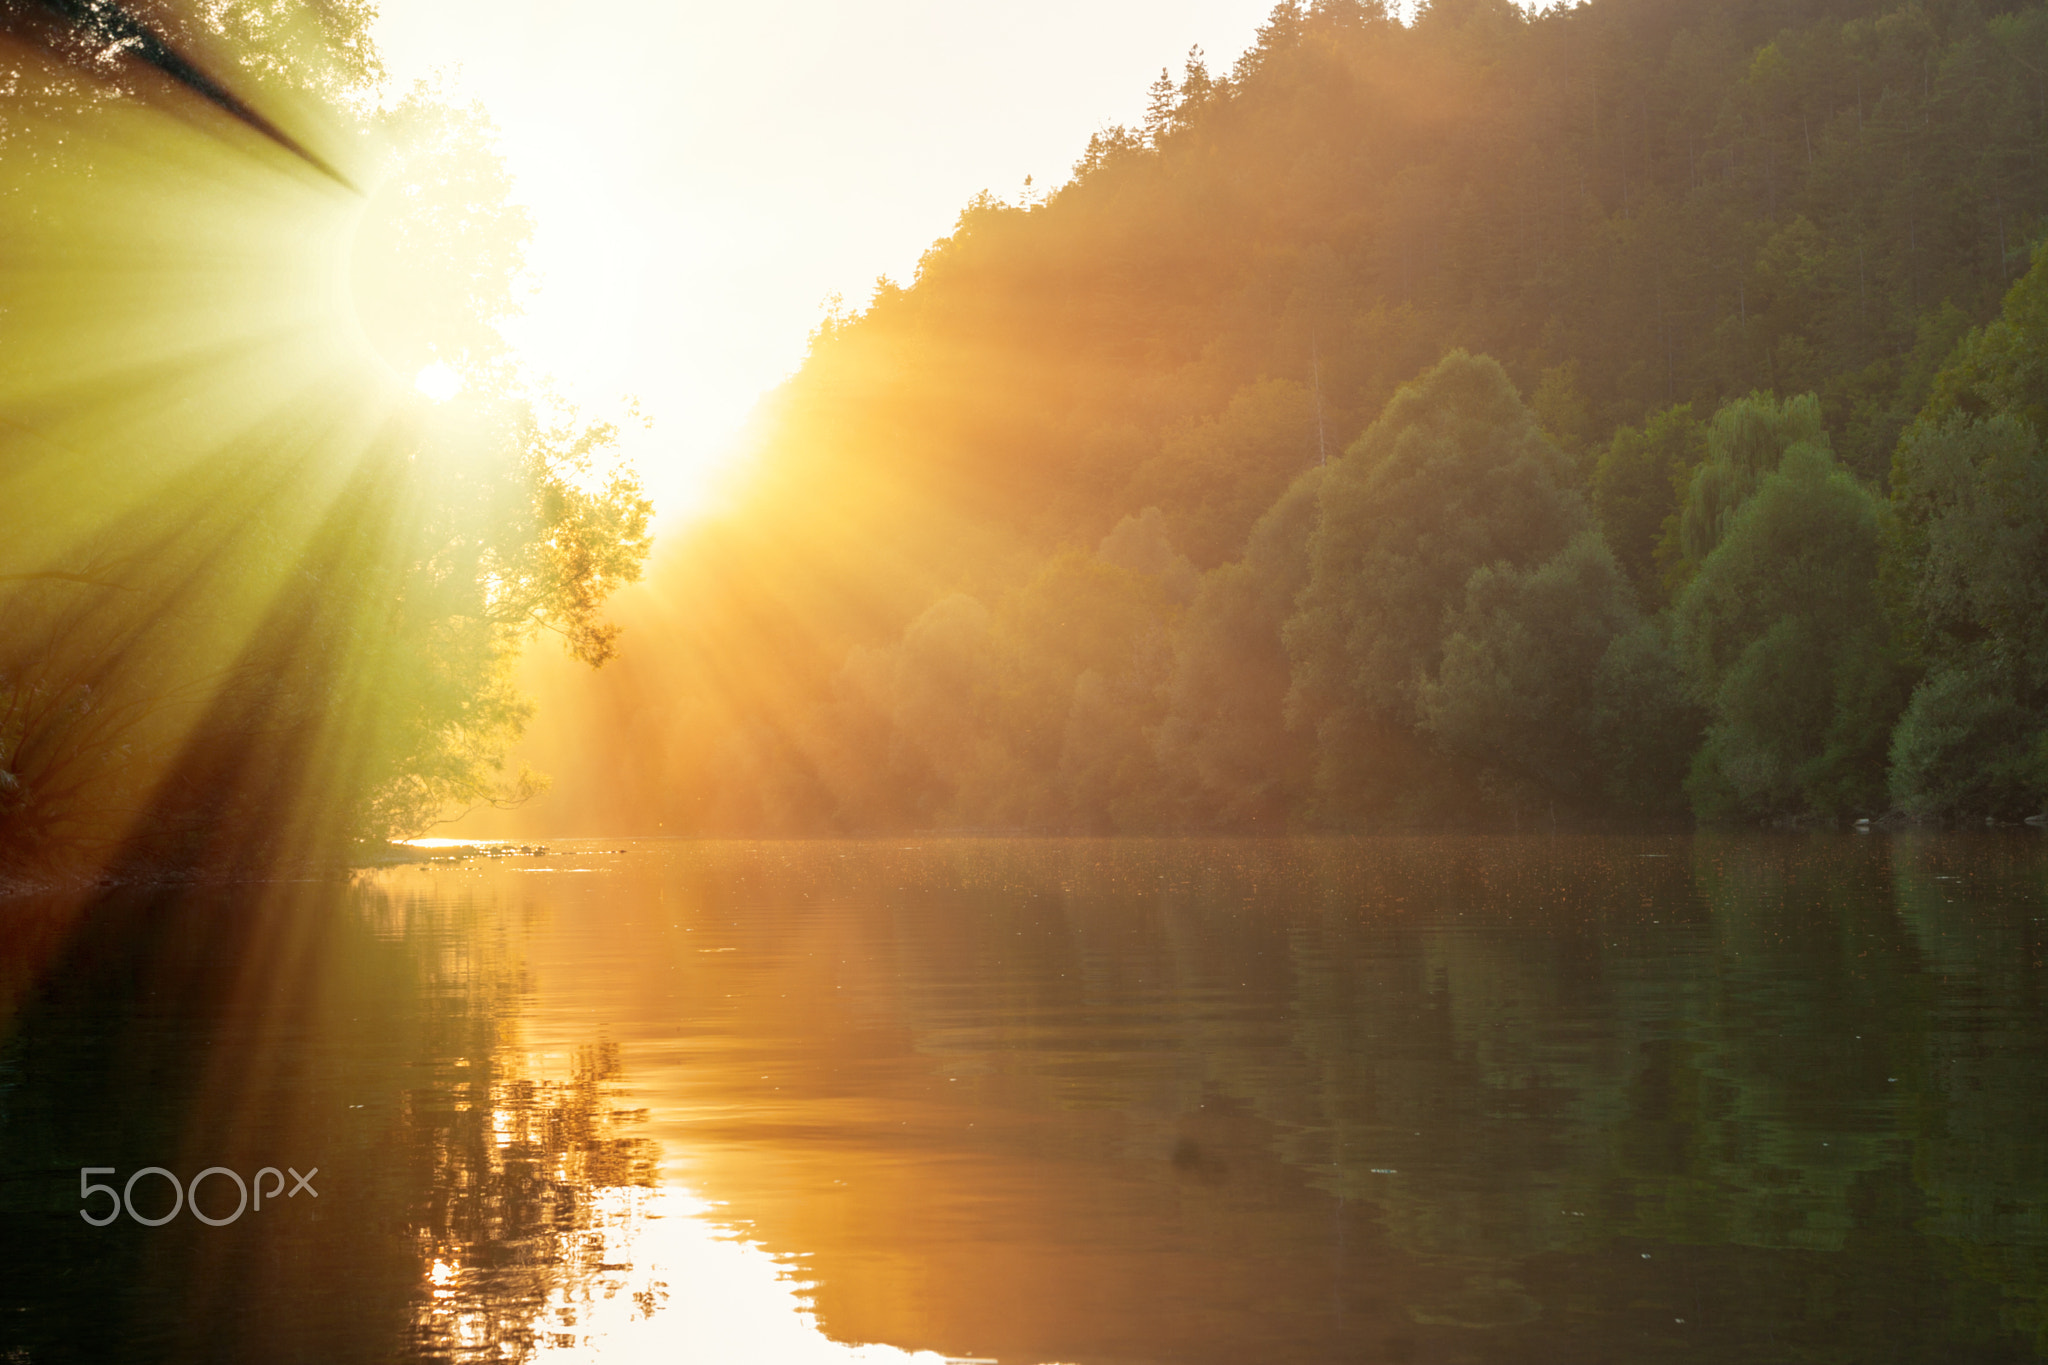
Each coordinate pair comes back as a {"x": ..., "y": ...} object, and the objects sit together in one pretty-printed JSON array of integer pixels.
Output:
[
  {"x": 1454, "y": 476},
  {"x": 933, "y": 698},
  {"x": 1967, "y": 746},
  {"x": 1561, "y": 410},
  {"x": 1784, "y": 637},
  {"x": 1972, "y": 497},
  {"x": 1636, "y": 488},
  {"x": 1516, "y": 691},
  {"x": 1109, "y": 775},
  {"x": 1746, "y": 439},
  {"x": 2002, "y": 367},
  {"x": 530, "y": 541},
  {"x": 1037, "y": 714},
  {"x": 1224, "y": 740},
  {"x": 1646, "y": 723},
  {"x": 1215, "y": 477},
  {"x": 1969, "y": 572}
]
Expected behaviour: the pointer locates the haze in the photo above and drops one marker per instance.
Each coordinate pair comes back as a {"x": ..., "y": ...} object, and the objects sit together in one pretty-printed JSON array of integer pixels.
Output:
[{"x": 704, "y": 178}]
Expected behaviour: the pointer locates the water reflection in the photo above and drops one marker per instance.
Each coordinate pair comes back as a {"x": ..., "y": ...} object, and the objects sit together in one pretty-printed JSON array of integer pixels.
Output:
[
  {"x": 531, "y": 1208},
  {"x": 1432, "y": 1099},
  {"x": 320, "y": 1029}
]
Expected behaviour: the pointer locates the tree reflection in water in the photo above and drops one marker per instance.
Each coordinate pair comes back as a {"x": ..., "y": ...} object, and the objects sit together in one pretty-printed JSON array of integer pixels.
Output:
[
  {"x": 535, "y": 1193},
  {"x": 466, "y": 1203}
]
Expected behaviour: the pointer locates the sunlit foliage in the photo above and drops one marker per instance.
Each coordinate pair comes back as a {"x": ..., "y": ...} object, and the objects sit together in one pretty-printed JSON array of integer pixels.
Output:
[{"x": 260, "y": 598}]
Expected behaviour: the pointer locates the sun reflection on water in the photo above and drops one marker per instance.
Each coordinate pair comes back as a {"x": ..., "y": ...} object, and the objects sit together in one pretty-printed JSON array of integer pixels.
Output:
[
  {"x": 625, "y": 1268},
  {"x": 557, "y": 1228},
  {"x": 673, "y": 1285}
]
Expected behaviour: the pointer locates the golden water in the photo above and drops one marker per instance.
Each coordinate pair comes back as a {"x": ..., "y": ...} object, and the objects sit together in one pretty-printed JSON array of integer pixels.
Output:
[{"x": 1429, "y": 1099}]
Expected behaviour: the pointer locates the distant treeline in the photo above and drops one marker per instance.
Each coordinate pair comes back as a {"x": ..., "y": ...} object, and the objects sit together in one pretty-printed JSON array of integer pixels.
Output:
[{"x": 1719, "y": 492}]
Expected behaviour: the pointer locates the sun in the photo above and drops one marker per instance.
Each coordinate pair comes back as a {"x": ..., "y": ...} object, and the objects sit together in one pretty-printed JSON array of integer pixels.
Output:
[{"x": 439, "y": 381}]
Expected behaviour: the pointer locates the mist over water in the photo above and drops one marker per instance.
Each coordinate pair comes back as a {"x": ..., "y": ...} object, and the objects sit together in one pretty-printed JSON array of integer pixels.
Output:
[{"x": 1729, "y": 1098}]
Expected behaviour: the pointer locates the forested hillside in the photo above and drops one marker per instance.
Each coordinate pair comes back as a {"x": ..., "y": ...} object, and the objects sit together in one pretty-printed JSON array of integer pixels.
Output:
[{"x": 1495, "y": 417}]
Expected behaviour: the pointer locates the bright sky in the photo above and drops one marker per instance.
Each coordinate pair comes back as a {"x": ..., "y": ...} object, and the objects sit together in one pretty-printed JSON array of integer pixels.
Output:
[{"x": 705, "y": 176}]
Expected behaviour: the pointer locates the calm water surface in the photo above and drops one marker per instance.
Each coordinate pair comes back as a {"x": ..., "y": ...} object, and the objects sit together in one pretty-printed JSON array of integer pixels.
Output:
[{"x": 1100, "y": 1102}]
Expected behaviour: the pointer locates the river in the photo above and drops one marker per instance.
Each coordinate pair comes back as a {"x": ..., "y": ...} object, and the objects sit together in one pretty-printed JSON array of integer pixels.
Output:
[{"x": 1098, "y": 1102}]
